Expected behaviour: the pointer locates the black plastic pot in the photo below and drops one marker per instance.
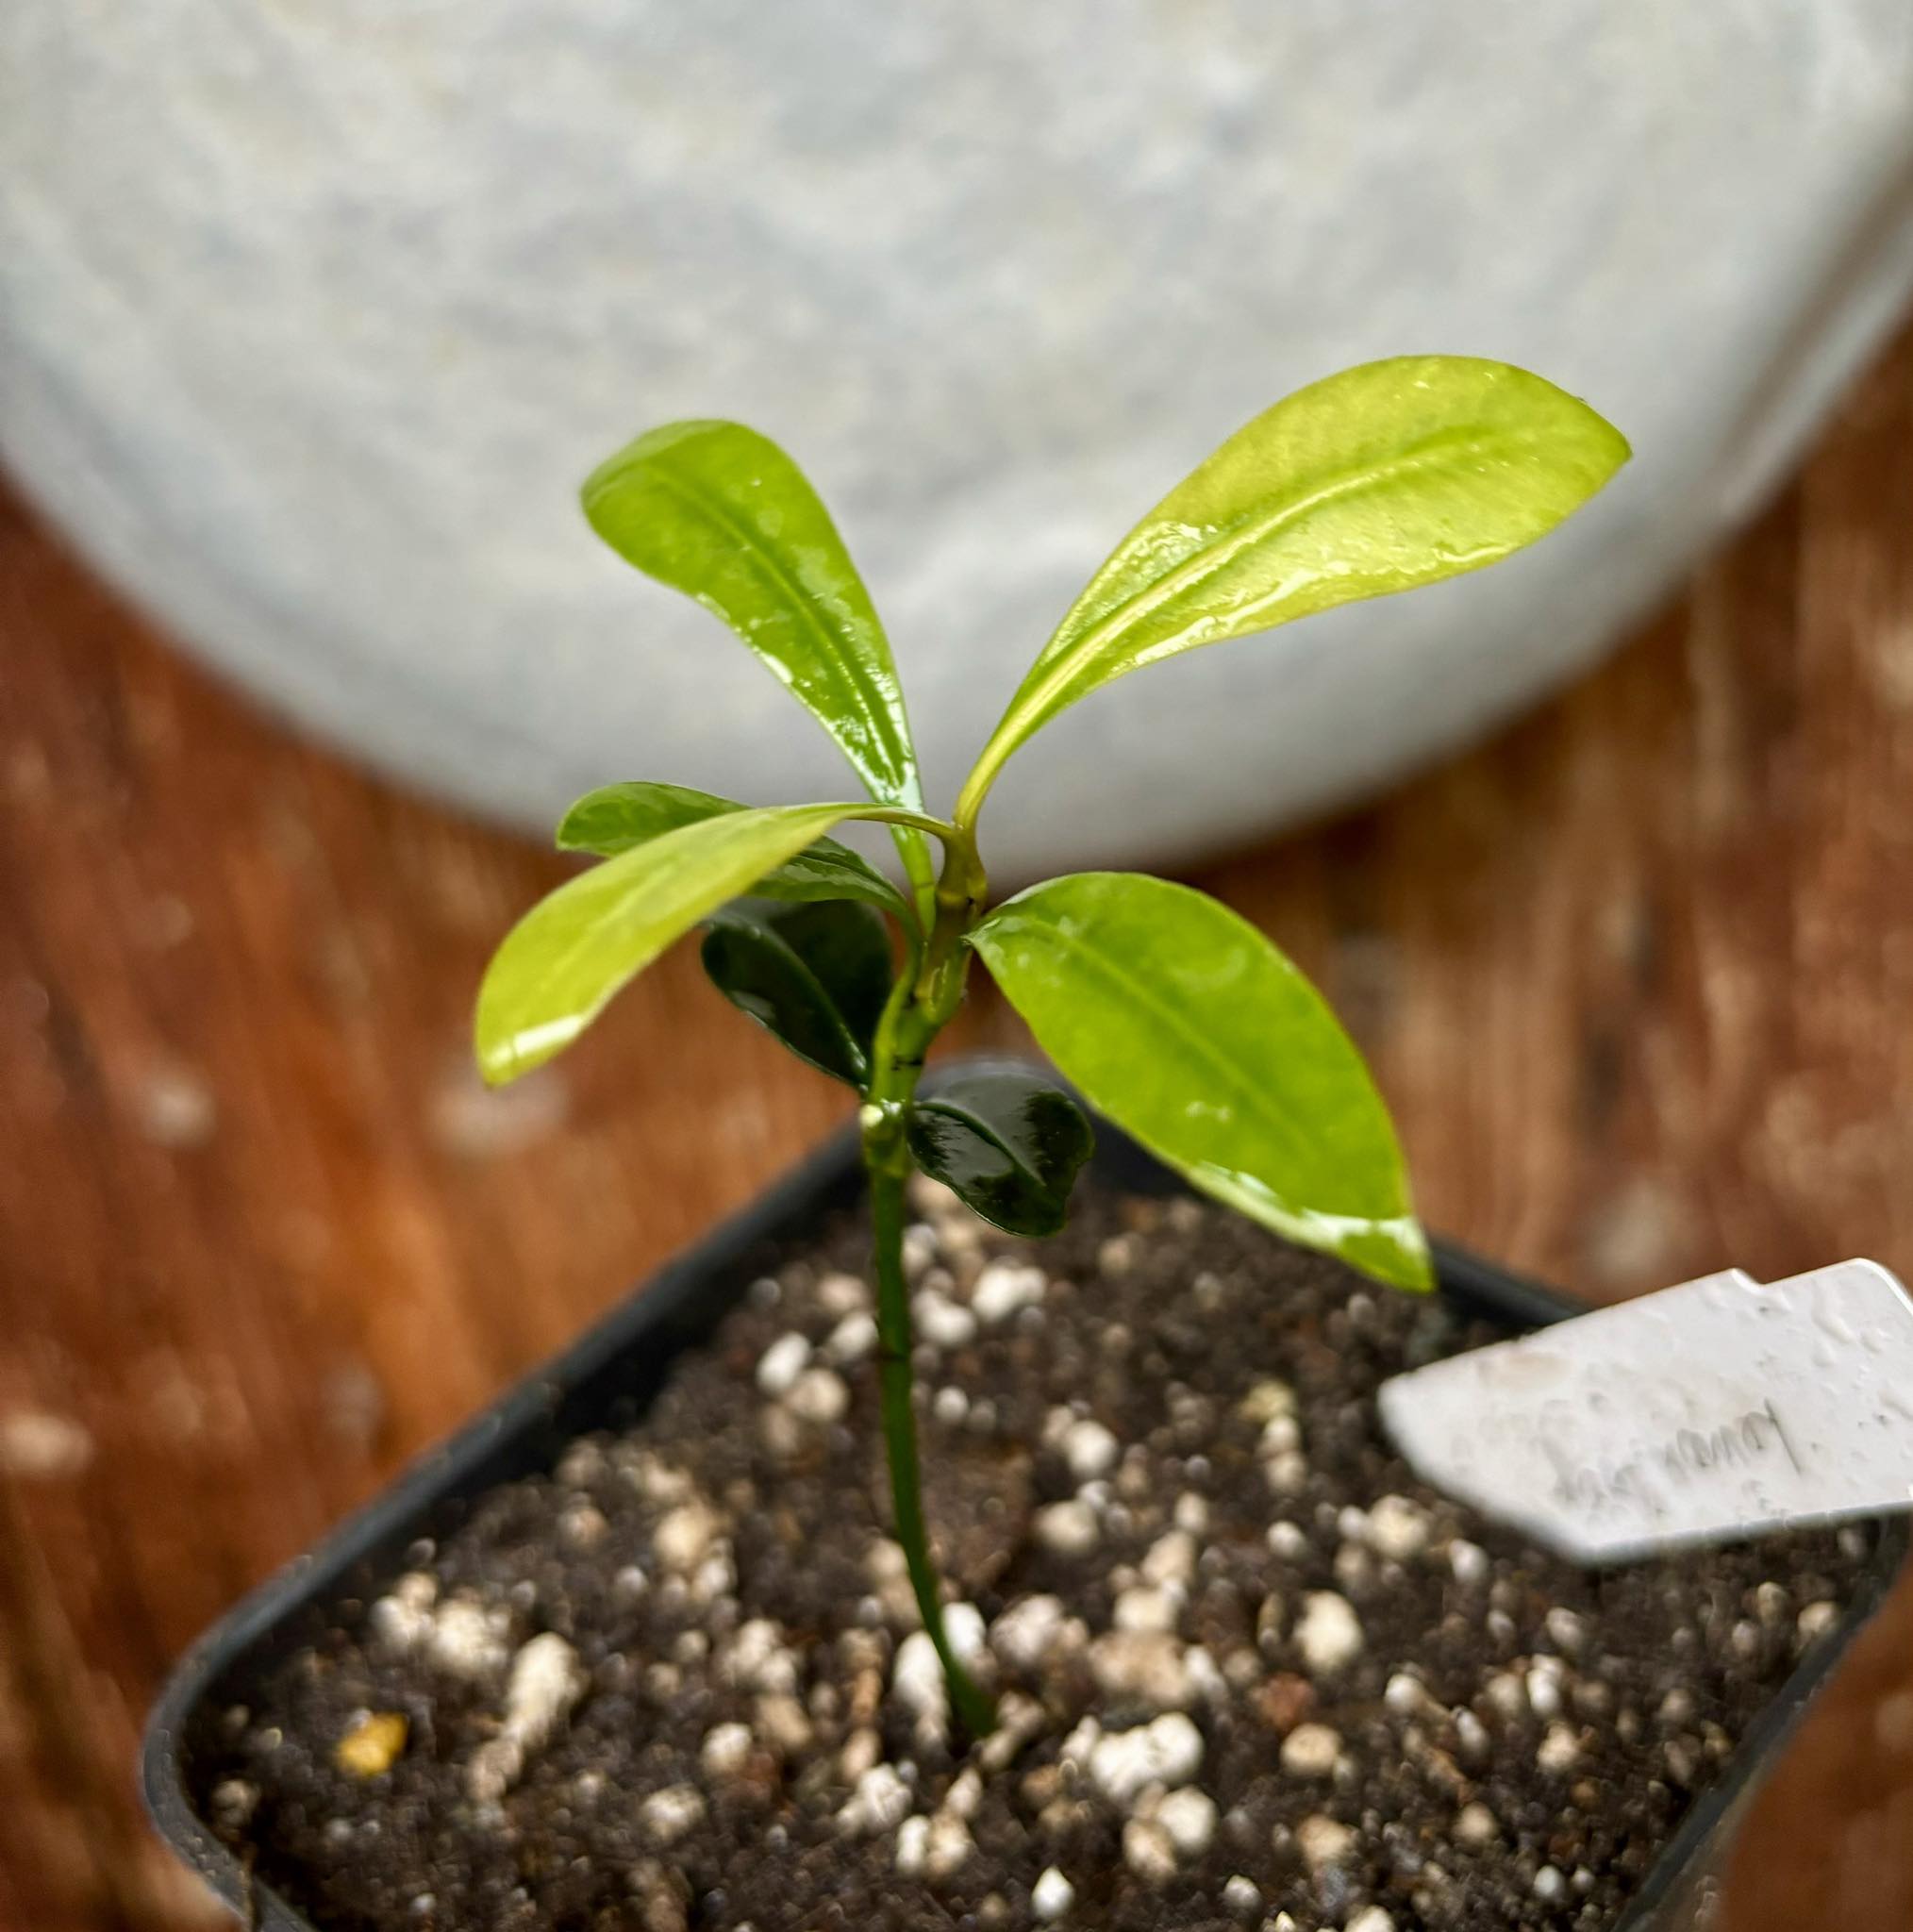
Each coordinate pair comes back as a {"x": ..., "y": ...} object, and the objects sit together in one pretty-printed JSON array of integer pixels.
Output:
[{"x": 607, "y": 1380}]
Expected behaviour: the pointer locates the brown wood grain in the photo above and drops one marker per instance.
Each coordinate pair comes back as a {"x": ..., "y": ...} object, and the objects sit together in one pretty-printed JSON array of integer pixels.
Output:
[{"x": 1638, "y": 976}]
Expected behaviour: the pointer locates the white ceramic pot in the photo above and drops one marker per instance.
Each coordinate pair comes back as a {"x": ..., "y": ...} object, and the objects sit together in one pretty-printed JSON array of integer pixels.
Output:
[{"x": 313, "y": 317}]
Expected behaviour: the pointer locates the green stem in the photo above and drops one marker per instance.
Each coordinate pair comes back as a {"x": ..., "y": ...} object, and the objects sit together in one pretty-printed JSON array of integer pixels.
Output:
[
  {"x": 920, "y": 874},
  {"x": 904, "y": 815},
  {"x": 920, "y": 870},
  {"x": 991, "y": 760},
  {"x": 924, "y": 997},
  {"x": 974, "y": 1708}
]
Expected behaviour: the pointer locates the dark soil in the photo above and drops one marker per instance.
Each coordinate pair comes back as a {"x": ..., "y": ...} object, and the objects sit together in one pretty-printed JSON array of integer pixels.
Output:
[{"x": 1256, "y": 1692}]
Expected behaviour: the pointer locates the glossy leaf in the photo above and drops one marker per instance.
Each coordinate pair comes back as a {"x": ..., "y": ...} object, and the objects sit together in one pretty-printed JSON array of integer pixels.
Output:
[
  {"x": 721, "y": 513},
  {"x": 815, "y": 976},
  {"x": 1387, "y": 476},
  {"x": 1179, "y": 1021},
  {"x": 1008, "y": 1144},
  {"x": 616, "y": 818},
  {"x": 565, "y": 959}
]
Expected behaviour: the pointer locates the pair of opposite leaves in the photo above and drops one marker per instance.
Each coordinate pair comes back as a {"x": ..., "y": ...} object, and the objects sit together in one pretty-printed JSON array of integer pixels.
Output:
[
  {"x": 1173, "y": 1017},
  {"x": 808, "y": 956}
]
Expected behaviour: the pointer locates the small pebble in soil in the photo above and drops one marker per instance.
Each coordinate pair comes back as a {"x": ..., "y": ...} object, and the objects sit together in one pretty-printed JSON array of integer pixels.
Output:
[
  {"x": 843, "y": 1296},
  {"x": 880, "y": 1801},
  {"x": 1476, "y": 1825},
  {"x": 1006, "y": 1288},
  {"x": 818, "y": 1396},
  {"x": 1311, "y": 1751},
  {"x": 373, "y": 1745},
  {"x": 667, "y": 1815},
  {"x": 1817, "y": 1619},
  {"x": 780, "y": 1364},
  {"x": 547, "y": 1681},
  {"x": 1089, "y": 1449},
  {"x": 1148, "y": 1667},
  {"x": 1070, "y": 1528},
  {"x": 1324, "y": 1841},
  {"x": 948, "y": 1847},
  {"x": 1189, "y": 1816},
  {"x": 1544, "y": 1681},
  {"x": 1027, "y": 1630},
  {"x": 726, "y": 1750},
  {"x": 1404, "y": 1693},
  {"x": 1166, "y": 1751},
  {"x": 1242, "y": 1897},
  {"x": 941, "y": 1323},
  {"x": 1051, "y": 1895},
  {"x": 1398, "y": 1528},
  {"x": 1328, "y": 1633},
  {"x": 1288, "y": 1541},
  {"x": 232, "y": 1804},
  {"x": 1149, "y": 1851},
  {"x": 854, "y": 1338},
  {"x": 1171, "y": 1561},
  {"x": 913, "y": 1846},
  {"x": 1468, "y": 1562},
  {"x": 1143, "y": 1608}
]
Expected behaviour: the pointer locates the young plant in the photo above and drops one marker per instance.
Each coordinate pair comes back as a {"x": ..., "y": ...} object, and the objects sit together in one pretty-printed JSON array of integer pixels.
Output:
[{"x": 1173, "y": 1016}]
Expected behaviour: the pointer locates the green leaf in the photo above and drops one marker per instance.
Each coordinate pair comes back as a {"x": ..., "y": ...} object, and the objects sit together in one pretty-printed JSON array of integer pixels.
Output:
[
  {"x": 1184, "y": 1026},
  {"x": 1008, "y": 1144},
  {"x": 721, "y": 513},
  {"x": 1387, "y": 476},
  {"x": 815, "y": 976},
  {"x": 565, "y": 959},
  {"x": 616, "y": 818}
]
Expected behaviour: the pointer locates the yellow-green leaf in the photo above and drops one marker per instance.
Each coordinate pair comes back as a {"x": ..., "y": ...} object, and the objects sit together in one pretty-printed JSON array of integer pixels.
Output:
[
  {"x": 615, "y": 818},
  {"x": 564, "y": 959},
  {"x": 1381, "y": 479},
  {"x": 1182, "y": 1023},
  {"x": 719, "y": 512}
]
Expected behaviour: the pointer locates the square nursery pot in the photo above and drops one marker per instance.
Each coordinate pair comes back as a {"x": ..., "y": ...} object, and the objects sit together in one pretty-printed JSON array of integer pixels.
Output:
[{"x": 608, "y": 1378}]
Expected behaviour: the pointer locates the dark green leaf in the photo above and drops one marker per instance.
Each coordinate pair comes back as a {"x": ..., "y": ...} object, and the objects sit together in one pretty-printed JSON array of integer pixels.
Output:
[
  {"x": 560, "y": 965},
  {"x": 719, "y": 512},
  {"x": 1180, "y": 1021},
  {"x": 816, "y": 975},
  {"x": 616, "y": 818},
  {"x": 1384, "y": 477},
  {"x": 1008, "y": 1144}
]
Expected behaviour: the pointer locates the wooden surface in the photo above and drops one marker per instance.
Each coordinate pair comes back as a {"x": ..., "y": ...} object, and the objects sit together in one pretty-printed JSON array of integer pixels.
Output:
[{"x": 1637, "y": 978}]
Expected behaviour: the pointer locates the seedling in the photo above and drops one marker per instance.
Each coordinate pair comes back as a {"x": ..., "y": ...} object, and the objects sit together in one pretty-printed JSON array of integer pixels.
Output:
[{"x": 1173, "y": 1016}]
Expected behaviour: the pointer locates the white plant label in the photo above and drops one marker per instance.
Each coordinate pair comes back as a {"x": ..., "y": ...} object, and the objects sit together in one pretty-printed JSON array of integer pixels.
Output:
[{"x": 1700, "y": 1414}]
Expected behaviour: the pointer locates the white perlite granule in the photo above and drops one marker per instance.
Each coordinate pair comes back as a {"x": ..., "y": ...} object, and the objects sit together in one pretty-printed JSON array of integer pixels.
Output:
[
  {"x": 780, "y": 1364},
  {"x": 545, "y": 1684},
  {"x": 1328, "y": 1633},
  {"x": 1051, "y": 1895},
  {"x": 1166, "y": 1751}
]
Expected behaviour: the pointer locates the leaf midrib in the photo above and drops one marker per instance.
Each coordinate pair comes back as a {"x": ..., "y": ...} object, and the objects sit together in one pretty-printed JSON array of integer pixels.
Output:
[
  {"x": 968, "y": 1117},
  {"x": 899, "y": 786},
  {"x": 1168, "y": 1016},
  {"x": 1210, "y": 559},
  {"x": 616, "y": 908}
]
